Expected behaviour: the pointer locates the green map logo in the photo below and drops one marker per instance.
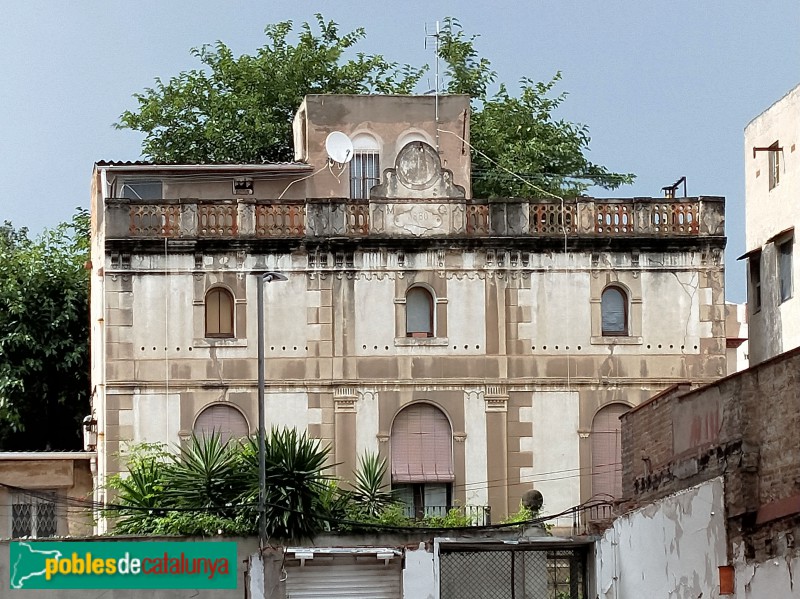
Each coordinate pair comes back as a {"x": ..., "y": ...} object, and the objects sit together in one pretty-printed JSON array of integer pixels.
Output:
[{"x": 122, "y": 565}]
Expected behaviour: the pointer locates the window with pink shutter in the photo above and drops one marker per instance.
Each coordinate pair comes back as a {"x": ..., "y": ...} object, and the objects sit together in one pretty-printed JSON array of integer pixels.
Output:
[
  {"x": 607, "y": 451},
  {"x": 422, "y": 446},
  {"x": 224, "y": 420}
]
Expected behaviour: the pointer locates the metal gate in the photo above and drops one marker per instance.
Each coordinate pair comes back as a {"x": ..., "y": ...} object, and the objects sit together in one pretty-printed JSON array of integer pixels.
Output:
[
  {"x": 518, "y": 573},
  {"x": 346, "y": 577}
]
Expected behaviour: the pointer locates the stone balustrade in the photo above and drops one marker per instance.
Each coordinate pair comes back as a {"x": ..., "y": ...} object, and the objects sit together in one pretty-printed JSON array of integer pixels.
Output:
[{"x": 318, "y": 218}]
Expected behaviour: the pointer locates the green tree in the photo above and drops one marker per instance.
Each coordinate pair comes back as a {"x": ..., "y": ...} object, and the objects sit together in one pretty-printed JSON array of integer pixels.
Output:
[
  {"x": 241, "y": 109},
  {"x": 519, "y": 147},
  {"x": 44, "y": 336}
]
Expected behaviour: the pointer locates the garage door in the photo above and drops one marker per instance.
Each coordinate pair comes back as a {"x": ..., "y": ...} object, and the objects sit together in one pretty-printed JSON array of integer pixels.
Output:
[{"x": 330, "y": 577}]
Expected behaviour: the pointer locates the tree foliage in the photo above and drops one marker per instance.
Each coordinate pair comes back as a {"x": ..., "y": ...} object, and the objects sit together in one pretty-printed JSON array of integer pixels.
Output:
[
  {"x": 519, "y": 147},
  {"x": 241, "y": 109},
  {"x": 44, "y": 336}
]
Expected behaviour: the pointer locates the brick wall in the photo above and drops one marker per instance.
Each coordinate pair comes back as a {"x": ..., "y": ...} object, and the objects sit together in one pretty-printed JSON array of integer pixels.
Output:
[{"x": 745, "y": 427}]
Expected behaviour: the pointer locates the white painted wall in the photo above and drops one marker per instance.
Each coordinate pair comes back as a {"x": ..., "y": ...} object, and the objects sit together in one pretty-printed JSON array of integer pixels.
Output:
[
  {"x": 475, "y": 448},
  {"x": 289, "y": 410},
  {"x": 375, "y": 315},
  {"x": 366, "y": 422},
  {"x": 768, "y": 580},
  {"x": 671, "y": 548},
  {"x": 670, "y": 311},
  {"x": 557, "y": 299},
  {"x": 419, "y": 574},
  {"x": 466, "y": 315},
  {"x": 156, "y": 418},
  {"x": 555, "y": 447},
  {"x": 163, "y": 314},
  {"x": 285, "y": 315}
]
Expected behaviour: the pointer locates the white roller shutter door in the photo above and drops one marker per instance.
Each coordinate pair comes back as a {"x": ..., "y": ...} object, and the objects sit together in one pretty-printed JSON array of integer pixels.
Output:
[{"x": 363, "y": 577}]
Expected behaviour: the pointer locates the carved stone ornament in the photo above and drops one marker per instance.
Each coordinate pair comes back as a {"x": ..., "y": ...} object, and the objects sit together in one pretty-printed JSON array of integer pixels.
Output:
[
  {"x": 417, "y": 173},
  {"x": 459, "y": 437},
  {"x": 344, "y": 399},
  {"x": 496, "y": 397}
]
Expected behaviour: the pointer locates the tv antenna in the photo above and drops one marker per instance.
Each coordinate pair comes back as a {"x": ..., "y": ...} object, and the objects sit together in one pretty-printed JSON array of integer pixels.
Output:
[
  {"x": 339, "y": 147},
  {"x": 436, "y": 37}
]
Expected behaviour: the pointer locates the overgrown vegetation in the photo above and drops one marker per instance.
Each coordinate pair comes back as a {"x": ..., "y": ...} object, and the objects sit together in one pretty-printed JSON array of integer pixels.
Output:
[
  {"x": 240, "y": 109},
  {"x": 209, "y": 487}
]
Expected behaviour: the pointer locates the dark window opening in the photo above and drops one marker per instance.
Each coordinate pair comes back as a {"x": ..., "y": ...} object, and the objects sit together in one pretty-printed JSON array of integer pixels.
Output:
[{"x": 614, "y": 311}]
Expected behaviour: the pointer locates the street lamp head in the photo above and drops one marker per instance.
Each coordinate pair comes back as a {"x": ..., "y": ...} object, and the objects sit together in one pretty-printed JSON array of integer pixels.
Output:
[{"x": 269, "y": 277}]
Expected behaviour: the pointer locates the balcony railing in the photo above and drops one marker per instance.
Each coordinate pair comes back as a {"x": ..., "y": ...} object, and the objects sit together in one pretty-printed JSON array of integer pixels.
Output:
[
  {"x": 315, "y": 218},
  {"x": 475, "y": 515}
]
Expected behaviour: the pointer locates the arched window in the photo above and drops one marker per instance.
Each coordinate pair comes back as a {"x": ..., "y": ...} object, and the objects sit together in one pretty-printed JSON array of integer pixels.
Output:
[
  {"x": 614, "y": 309},
  {"x": 226, "y": 421},
  {"x": 219, "y": 313},
  {"x": 365, "y": 167},
  {"x": 422, "y": 460},
  {"x": 607, "y": 451},
  {"x": 419, "y": 313}
]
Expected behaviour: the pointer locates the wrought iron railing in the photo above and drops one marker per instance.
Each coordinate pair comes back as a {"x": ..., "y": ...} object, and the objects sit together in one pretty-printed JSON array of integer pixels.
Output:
[{"x": 474, "y": 515}]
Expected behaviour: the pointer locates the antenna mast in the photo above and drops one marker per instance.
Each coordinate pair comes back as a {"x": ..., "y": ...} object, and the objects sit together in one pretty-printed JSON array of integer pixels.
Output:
[{"x": 436, "y": 90}]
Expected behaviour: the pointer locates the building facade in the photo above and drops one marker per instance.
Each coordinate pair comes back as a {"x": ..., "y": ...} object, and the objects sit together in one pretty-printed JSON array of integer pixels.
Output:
[
  {"x": 482, "y": 347},
  {"x": 772, "y": 200}
]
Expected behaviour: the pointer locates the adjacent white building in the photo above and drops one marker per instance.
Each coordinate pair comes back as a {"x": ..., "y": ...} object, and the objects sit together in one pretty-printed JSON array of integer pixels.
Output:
[{"x": 772, "y": 199}]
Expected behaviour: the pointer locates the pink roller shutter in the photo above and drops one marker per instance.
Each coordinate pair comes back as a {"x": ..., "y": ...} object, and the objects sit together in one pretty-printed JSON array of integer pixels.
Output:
[
  {"x": 422, "y": 446},
  {"x": 224, "y": 420},
  {"x": 607, "y": 451}
]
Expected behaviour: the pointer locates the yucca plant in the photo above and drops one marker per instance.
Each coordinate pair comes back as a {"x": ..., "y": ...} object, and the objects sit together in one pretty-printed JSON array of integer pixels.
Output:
[
  {"x": 204, "y": 475},
  {"x": 369, "y": 490},
  {"x": 296, "y": 485}
]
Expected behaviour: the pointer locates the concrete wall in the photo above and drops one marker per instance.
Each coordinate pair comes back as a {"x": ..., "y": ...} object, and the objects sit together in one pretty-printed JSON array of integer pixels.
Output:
[
  {"x": 774, "y": 328},
  {"x": 670, "y": 548}
]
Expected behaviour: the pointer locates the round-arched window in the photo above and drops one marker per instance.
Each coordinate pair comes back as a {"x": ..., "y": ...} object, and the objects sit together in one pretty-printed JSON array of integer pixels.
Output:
[{"x": 223, "y": 420}]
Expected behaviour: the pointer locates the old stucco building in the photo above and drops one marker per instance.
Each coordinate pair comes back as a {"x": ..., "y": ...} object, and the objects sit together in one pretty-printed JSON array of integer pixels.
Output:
[
  {"x": 772, "y": 202},
  {"x": 482, "y": 347}
]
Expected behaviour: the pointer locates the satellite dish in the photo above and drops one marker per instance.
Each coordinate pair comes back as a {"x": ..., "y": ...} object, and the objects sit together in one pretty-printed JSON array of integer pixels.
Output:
[{"x": 339, "y": 147}]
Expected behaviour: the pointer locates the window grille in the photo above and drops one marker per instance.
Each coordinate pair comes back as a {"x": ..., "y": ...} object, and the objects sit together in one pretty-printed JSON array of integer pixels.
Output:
[
  {"x": 364, "y": 174},
  {"x": 33, "y": 515}
]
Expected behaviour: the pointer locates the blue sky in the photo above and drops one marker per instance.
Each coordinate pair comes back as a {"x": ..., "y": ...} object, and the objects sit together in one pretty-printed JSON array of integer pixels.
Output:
[{"x": 666, "y": 86}]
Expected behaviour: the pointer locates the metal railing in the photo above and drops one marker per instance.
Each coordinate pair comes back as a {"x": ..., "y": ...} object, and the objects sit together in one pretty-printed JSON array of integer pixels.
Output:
[{"x": 475, "y": 515}]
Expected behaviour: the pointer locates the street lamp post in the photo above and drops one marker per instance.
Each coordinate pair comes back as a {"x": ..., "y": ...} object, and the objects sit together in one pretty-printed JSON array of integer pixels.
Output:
[{"x": 268, "y": 277}]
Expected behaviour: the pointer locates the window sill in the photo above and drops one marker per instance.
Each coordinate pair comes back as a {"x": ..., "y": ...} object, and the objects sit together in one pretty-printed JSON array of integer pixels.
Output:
[
  {"x": 421, "y": 341},
  {"x": 220, "y": 342},
  {"x": 616, "y": 340}
]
